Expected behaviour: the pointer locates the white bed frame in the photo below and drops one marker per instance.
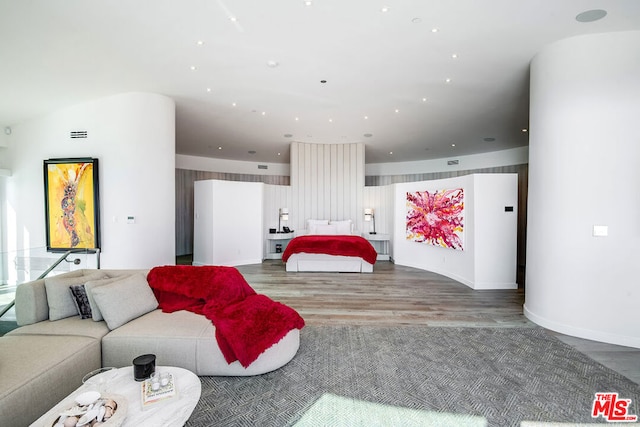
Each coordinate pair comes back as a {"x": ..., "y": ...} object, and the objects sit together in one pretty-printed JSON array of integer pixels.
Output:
[{"x": 328, "y": 263}]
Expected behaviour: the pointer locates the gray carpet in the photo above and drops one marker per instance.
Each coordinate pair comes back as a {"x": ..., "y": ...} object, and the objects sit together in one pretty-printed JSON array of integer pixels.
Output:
[{"x": 503, "y": 375}]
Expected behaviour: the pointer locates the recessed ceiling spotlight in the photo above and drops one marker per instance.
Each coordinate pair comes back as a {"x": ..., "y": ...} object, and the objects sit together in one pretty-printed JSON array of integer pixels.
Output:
[
  {"x": 488, "y": 139},
  {"x": 525, "y": 130},
  {"x": 385, "y": 9},
  {"x": 208, "y": 89},
  {"x": 272, "y": 64},
  {"x": 278, "y": 154},
  {"x": 366, "y": 117},
  {"x": 591, "y": 15},
  {"x": 391, "y": 152},
  {"x": 288, "y": 135},
  {"x": 424, "y": 99},
  {"x": 264, "y": 113},
  {"x": 397, "y": 111},
  {"x": 193, "y": 68},
  {"x": 330, "y": 120},
  {"x": 308, "y": 3},
  {"x": 368, "y": 135},
  {"x": 233, "y": 19},
  {"x": 454, "y": 56},
  {"x": 219, "y": 148},
  {"x": 323, "y": 81},
  {"x": 447, "y": 80},
  {"x": 416, "y": 20},
  {"x": 200, "y": 42},
  {"x": 453, "y": 145},
  {"x": 434, "y": 30},
  {"x": 251, "y": 151},
  {"x": 296, "y": 119},
  {"x": 233, "y": 104}
]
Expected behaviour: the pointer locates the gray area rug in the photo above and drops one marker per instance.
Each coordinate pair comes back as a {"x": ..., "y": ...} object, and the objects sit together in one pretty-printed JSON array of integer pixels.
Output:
[{"x": 502, "y": 375}]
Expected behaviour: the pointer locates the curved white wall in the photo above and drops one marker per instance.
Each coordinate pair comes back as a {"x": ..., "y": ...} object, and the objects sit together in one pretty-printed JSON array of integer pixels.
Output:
[{"x": 584, "y": 170}]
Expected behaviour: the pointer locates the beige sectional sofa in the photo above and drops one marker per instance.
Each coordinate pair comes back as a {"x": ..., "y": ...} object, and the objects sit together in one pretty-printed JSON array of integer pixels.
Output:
[{"x": 44, "y": 360}]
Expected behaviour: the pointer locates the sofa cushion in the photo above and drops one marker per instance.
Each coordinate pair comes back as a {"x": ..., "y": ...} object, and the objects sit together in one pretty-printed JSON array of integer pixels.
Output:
[
  {"x": 81, "y": 301},
  {"x": 73, "y": 326},
  {"x": 124, "y": 299},
  {"x": 39, "y": 371},
  {"x": 96, "y": 314},
  {"x": 59, "y": 298}
]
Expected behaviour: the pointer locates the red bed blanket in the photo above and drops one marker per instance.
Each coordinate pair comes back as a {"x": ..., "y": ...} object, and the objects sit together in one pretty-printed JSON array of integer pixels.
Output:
[
  {"x": 246, "y": 323},
  {"x": 332, "y": 245}
]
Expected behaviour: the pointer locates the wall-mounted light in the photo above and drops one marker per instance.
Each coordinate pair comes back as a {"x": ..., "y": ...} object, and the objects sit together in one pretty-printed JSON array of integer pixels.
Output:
[
  {"x": 283, "y": 215},
  {"x": 369, "y": 216}
]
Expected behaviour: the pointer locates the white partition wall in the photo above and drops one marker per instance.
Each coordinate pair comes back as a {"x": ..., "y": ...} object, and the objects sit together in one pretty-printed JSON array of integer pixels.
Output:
[
  {"x": 583, "y": 241},
  {"x": 228, "y": 223},
  {"x": 327, "y": 182},
  {"x": 488, "y": 259}
]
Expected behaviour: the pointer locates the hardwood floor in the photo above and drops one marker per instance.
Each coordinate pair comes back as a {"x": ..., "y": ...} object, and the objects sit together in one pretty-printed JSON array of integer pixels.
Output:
[{"x": 398, "y": 295}]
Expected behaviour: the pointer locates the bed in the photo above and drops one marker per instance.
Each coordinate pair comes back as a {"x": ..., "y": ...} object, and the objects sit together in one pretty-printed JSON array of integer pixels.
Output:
[{"x": 329, "y": 247}]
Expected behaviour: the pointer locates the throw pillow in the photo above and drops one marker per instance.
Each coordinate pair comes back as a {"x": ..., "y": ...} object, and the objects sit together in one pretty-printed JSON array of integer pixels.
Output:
[
  {"x": 96, "y": 314},
  {"x": 124, "y": 300},
  {"x": 60, "y": 301},
  {"x": 82, "y": 302}
]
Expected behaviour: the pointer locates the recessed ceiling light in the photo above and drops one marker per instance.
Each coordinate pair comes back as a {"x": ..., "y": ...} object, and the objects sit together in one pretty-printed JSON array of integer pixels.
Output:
[
  {"x": 454, "y": 55},
  {"x": 390, "y": 152},
  {"x": 200, "y": 42},
  {"x": 453, "y": 145},
  {"x": 264, "y": 113},
  {"x": 233, "y": 19},
  {"x": 366, "y": 117},
  {"x": 397, "y": 111},
  {"x": 278, "y": 154},
  {"x": 424, "y": 99},
  {"x": 272, "y": 64},
  {"x": 296, "y": 119},
  {"x": 233, "y": 104},
  {"x": 416, "y": 20},
  {"x": 368, "y": 135},
  {"x": 219, "y": 148},
  {"x": 447, "y": 80},
  {"x": 287, "y": 135},
  {"x": 251, "y": 152},
  {"x": 308, "y": 3},
  {"x": 193, "y": 68},
  {"x": 385, "y": 9},
  {"x": 525, "y": 130},
  {"x": 591, "y": 15},
  {"x": 434, "y": 30},
  {"x": 208, "y": 89},
  {"x": 323, "y": 81},
  {"x": 330, "y": 120},
  {"x": 488, "y": 139}
]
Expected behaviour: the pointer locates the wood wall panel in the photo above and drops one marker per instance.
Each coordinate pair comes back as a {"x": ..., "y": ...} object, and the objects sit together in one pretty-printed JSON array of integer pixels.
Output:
[{"x": 327, "y": 182}]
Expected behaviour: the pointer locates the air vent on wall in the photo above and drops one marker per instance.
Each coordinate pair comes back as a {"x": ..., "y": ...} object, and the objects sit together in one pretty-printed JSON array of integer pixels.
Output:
[
  {"x": 76, "y": 134},
  {"x": 453, "y": 162},
  {"x": 263, "y": 167}
]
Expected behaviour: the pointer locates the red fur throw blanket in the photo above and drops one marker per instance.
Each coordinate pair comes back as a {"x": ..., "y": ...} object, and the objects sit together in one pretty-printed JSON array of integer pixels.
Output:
[{"x": 246, "y": 323}]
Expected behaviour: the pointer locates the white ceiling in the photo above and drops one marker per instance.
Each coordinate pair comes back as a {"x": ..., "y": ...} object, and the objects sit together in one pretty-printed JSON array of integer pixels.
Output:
[{"x": 57, "y": 53}]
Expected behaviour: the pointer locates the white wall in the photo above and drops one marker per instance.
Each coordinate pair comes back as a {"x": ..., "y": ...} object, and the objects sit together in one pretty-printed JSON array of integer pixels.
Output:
[
  {"x": 488, "y": 260},
  {"x": 228, "y": 223},
  {"x": 133, "y": 136},
  {"x": 584, "y": 170}
]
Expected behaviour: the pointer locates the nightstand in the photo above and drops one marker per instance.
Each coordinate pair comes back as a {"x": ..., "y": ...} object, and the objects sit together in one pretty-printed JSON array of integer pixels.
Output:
[
  {"x": 276, "y": 244},
  {"x": 381, "y": 244}
]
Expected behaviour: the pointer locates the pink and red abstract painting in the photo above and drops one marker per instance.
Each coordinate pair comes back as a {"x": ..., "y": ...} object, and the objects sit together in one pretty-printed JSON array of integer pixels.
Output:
[{"x": 436, "y": 217}]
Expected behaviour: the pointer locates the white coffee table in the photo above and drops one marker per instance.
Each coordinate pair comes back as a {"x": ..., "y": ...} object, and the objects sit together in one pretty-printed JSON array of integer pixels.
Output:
[{"x": 172, "y": 412}]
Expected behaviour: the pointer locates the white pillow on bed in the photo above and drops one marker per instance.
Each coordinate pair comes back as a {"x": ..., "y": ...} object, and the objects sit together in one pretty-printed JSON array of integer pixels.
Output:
[
  {"x": 323, "y": 229},
  {"x": 343, "y": 227},
  {"x": 311, "y": 222}
]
